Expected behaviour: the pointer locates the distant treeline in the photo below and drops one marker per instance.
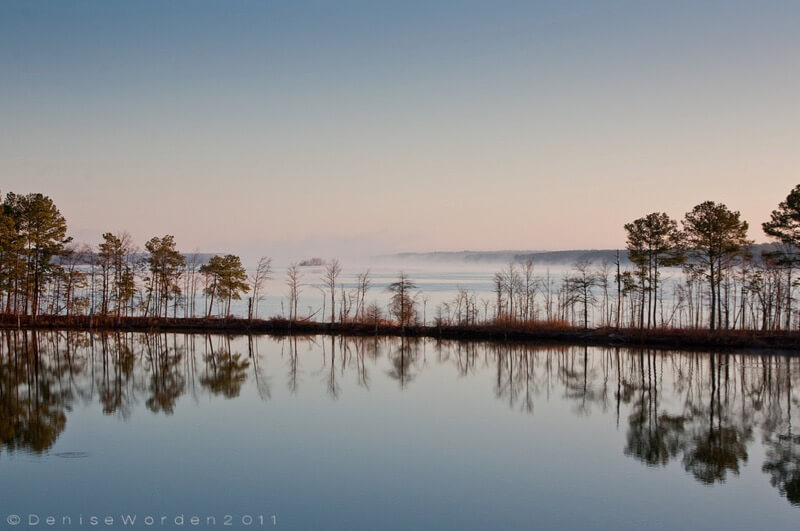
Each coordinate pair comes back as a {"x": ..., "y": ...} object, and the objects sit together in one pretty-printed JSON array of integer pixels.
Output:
[
  {"x": 488, "y": 257},
  {"x": 567, "y": 258},
  {"x": 727, "y": 282}
]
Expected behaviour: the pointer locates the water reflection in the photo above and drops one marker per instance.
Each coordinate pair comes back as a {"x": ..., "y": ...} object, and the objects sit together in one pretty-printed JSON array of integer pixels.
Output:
[
  {"x": 707, "y": 433},
  {"x": 32, "y": 403},
  {"x": 704, "y": 412}
]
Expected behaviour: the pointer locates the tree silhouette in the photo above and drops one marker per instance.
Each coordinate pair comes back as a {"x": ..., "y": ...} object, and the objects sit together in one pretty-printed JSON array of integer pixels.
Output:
[
  {"x": 226, "y": 280},
  {"x": 166, "y": 264},
  {"x": 714, "y": 235},
  {"x": 653, "y": 242},
  {"x": 784, "y": 226},
  {"x": 332, "y": 272},
  {"x": 40, "y": 234},
  {"x": 579, "y": 287},
  {"x": 402, "y": 303},
  {"x": 262, "y": 273}
]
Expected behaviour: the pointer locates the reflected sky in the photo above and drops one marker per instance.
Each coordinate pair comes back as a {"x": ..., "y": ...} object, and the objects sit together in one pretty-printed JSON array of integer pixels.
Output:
[{"x": 346, "y": 433}]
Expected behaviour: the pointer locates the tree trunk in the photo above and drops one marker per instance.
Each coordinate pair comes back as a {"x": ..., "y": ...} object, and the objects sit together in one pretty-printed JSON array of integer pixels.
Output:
[{"x": 713, "y": 295}]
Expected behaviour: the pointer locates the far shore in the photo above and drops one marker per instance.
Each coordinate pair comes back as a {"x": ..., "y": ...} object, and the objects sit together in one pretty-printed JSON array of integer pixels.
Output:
[{"x": 511, "y": 332}]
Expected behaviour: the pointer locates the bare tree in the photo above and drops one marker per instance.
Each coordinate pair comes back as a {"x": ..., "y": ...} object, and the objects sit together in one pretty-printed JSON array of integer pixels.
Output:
[
  {"x": 345, "y": 305},
  {"x": 262, "y": 273},
  {"x": 486, "y": 304},
  {"x": 332, "y": 272},
  {"x": 512, "y": 283},
  {"x": 603, "y": 273},
  {"x": 72, "y": 259},
  {"x": 547, "y": 288},
  {"x": 618, "y": 281},
  {"x": 293, "y": 280},
  {"x": 497, "y": 282},
  {"x": 192, "y": 266},
  {"x": 529, "y": 286},
  {"x": 402, "y": 303},
  {"x": 579, "y": 287},
  {"x": 363, "y": 284}
]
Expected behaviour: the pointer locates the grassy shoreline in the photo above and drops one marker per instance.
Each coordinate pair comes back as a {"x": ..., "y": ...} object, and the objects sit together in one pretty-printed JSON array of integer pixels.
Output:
[{"x": 544, "y": 332}]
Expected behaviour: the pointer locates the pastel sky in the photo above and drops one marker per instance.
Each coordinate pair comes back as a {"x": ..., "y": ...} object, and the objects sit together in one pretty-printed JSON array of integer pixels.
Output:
[{"x": 364, "y": 127}]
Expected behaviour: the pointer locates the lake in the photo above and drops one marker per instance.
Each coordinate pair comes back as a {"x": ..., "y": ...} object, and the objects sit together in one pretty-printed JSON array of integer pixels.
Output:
[
  {"x": 390, "y": 433},
  {"x": 436, "y": 284},
  {"x": 437, "y": 287}
]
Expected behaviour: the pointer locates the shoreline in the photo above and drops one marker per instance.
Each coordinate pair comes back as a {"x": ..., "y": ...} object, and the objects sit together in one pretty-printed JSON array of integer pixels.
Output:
[{"x": 543, "y": 333}]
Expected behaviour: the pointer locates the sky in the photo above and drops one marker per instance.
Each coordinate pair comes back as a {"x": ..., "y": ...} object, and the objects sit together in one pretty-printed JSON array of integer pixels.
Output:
[{"x": 366, "y": 127}]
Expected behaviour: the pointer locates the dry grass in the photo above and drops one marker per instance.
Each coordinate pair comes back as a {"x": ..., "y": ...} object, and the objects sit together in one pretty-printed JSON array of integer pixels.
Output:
[{"x": 496, "y": 330}]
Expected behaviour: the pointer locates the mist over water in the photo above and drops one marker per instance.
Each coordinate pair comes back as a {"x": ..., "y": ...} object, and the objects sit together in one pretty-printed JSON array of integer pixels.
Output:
[{"x": 438, "y": 283}]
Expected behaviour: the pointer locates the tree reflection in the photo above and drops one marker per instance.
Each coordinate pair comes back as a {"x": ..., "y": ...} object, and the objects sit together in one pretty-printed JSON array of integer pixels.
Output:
[
  {"x": 402, "y": 360},
  {"x": 293, "y": 364},
  {"x": 782, "y": 463},
  {"x": 32, "y": 407},
  {"x": 717, "y": 444},
  {"x": 713, "y": 452},
  {"x": 706, "y": 437},
  {"x": 167, "y": 382},
  {"x": 654, "y": 439},
  {"x": 116, "y": 375},
  {"x": 697, "y": 411},
  {"x": 333, "y": 388},
  {"x": 225, "y": 373},
  {"x": 262, "y": 381}
]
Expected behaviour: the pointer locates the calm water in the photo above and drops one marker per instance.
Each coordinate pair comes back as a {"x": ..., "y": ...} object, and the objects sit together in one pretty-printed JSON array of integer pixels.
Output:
[
  {"x": 436, "y": 284},
  {"x": 383, "y": 433}
]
